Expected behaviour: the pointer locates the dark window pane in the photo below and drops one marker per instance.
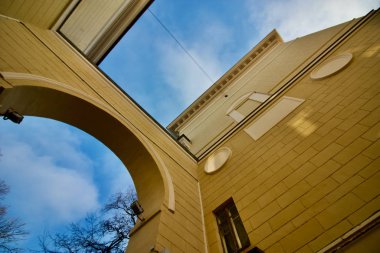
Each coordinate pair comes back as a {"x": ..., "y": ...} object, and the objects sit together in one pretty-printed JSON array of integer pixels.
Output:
[
  {"x": 230, "y": 241},
  {"x": 241, "y": 232},
  {"x": 231, "y": 229}
]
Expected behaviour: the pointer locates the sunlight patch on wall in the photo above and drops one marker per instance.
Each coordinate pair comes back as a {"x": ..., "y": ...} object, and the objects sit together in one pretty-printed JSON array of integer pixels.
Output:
[
  {"x": 273, "y": 116},
  {"x": 302, "y": 125}
]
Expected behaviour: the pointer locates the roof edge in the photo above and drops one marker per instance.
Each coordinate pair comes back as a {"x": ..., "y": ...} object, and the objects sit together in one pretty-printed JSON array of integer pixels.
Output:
[{"x": 264, "y": 46}]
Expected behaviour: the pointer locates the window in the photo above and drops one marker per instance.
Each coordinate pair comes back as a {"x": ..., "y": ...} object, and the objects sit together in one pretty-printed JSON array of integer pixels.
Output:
[
  {"x": 272, "y": 116},
  {"x": 246, "y": 104},
  {"x": 232, "y": 232}
]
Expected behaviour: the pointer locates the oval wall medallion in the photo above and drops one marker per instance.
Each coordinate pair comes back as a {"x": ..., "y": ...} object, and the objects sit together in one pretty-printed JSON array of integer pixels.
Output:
[
  {"x": 331, "y": 66},
  {"x": 217, "y": 160}
]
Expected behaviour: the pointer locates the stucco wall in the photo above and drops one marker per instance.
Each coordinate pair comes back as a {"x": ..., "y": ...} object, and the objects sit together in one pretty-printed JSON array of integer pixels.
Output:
[
  {"x": 43, "y": 76},
  {"x": 315, "y": 175}
]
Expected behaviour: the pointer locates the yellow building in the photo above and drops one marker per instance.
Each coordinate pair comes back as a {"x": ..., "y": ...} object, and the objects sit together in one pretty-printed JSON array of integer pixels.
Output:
[{"x": 281, "y": 154}]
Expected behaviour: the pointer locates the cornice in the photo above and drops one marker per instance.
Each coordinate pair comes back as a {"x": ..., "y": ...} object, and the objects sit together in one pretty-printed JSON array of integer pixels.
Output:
[
  {"x": 265, "y": 45},
  {"x": 118, "y": 26},
  {"x": 318, "y": 56},
  {"x": 109, "y": 34}
]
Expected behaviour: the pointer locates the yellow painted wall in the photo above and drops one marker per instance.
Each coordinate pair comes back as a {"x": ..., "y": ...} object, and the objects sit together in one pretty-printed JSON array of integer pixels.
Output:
[
  {"x": 316, "y": 174},
  {"x": 307, "y": 181},
  {"x": 48, "y": 78},
  {"x": 42, "y": 13},
  {"x": 263, "y": 77},
  {"x": 88, "y": 18}
]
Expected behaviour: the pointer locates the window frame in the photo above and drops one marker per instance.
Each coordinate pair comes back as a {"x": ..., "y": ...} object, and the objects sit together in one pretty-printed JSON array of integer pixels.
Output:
[
  {"x": 253, "y": 95},
  {"x": 239, "y": 237}
]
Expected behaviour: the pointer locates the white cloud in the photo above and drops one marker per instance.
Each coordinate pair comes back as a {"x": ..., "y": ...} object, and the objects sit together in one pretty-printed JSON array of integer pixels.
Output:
[
  {"x": 56, "y": 173},
  {"x": 53, "y": 139},
  {"x": 42, "y": 189},
  {"x": 182, "y": 74},
  {"x": 114, "y": 171},
  {"x": 292, "y": 18},
  {"x": 48, "y": 175},
  {"x": 296, "y": 18}
]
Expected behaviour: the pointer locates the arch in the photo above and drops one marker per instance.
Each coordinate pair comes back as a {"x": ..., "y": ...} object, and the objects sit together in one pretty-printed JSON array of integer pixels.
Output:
[{"x": 39, "y": 96}]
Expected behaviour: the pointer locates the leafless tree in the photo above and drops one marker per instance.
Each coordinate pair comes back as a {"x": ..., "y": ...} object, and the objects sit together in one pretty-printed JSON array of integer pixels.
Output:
[
  {"x": 106, "y": 232},
  {"x": 11, "y": 230}
]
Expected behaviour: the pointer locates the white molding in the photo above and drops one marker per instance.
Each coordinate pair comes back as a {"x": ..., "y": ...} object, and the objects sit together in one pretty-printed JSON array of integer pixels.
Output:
[
  {"x": 30, "y": 77},
  {"x": 238, "y": 102},
  {"x": 113, "y": 20},
  {"x": 254, "y": 56},
  {"x": 259, "y": 97},
  {"x": 352, "y": 234},
  {"x": 254, "y": 96},
  {"x": 237, "y": 116},
  {"x": 119, "y": 91},
  {"x": 272, "y": 116},
  {"x": 164, "y": 172},
  {"x": 10, "y": 18},
  {"x": 331, "y": 66},
  {"x": 69, "y": 9},
  {"x": 203, "y": 219},
  {"x": 217, "y": 160}
]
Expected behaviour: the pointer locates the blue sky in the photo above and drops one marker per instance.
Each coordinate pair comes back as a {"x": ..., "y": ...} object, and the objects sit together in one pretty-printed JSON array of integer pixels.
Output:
[{"x": 58, "y": 173}]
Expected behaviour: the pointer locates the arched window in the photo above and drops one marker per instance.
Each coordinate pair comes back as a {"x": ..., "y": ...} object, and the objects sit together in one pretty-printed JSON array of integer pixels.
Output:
[{"x": 246, "y": 104}]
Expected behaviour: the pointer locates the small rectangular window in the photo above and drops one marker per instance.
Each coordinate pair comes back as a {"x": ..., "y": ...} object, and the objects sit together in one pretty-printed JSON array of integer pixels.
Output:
[{"x": 232, "y": 232}]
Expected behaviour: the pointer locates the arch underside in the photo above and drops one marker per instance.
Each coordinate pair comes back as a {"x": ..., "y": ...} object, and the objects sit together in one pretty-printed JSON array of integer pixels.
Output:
[{"x": 38, "y": 96}]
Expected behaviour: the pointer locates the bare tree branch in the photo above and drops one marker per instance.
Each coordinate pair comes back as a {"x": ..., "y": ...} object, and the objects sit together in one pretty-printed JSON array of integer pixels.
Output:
[
  {"x": 11, "y": 230},
  {"x": 106, "y": 232}
]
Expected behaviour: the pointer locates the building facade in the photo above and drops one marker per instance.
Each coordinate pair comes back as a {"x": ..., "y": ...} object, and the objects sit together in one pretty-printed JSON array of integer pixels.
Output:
[{"x": 281, "y": 154}]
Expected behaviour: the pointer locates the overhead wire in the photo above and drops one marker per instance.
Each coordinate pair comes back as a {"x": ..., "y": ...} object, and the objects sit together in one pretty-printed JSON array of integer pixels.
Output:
[{"x": 181, "y": 46}]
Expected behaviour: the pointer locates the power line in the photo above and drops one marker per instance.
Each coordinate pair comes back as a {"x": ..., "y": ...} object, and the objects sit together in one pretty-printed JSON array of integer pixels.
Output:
[{"x": 181, "y": 46}]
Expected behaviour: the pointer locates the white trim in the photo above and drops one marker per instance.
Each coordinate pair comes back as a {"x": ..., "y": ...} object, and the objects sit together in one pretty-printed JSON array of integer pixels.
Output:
[
  {"x": 301, "y": 100},
  {"x": 256, "y": 55},
  {"x": 160, "y": 164},
  {"x": 237, "y": 116},
  {"x": 10, "y": 18},
  {"x": 31, "y": 77},
  {"x": 255, "y": 96},
  {"x": 118, "y": 90},
  {"x": 27, "y": 76},
  {"x": 203, "y": 219},
  {"x": 65, "y": 14},
  {"x": 238, "y": 102},
  {"x": 165, "y": 175},
  {"x": 272, "y": 116},
  {"x": 217, "y": 160},
  {"x": 331, "y": 66},
  {"x": 259, "y": 97},
  {"x": 350, "y": 233},
  {"x": 121, "y": 9}
]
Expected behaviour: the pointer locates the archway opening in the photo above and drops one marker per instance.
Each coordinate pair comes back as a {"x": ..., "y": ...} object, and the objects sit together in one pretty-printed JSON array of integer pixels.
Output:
[
  {"x": 57, "y": 175},
  {"x": 77, "y": 111}
]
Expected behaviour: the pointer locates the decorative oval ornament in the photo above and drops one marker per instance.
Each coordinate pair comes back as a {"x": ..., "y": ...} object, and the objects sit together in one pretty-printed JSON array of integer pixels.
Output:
[
  {"x": 217, "y": 160},
  {"x": 331, "y": 66}
]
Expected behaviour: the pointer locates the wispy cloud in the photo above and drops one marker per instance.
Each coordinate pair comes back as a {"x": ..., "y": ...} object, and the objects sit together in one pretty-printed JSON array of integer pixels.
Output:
[
  {"x": 164, "y": 80},
  {"x": 49, "y": 176},
  {"x": 56, "y": 173},
  {"x": 214, "y": 39},
  {"x": 41, "y": 188},
  {"x": 182, "y": 74},
  {"x": 113, "y": 174},
  {"x": 295, "y": 18}
]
